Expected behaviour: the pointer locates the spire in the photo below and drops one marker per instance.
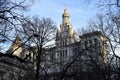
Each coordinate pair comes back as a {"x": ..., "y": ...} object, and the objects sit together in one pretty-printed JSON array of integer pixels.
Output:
[
  {"x": 65, "y": 10},
  {"x": 17, "y": 41},
  {"x": 75, "y": 37},
  {"x": 16, "y": 48},
  {"x": 17, "y": 38},
  {"x": 66, "y": 16}
]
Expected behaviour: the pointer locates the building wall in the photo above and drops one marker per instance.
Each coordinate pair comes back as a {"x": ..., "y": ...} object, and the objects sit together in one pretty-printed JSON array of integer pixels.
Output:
[
  {"x": 65, "y": 36},
  {"x": 84, "y": 52},
  {"x": 12, "y": 68}
]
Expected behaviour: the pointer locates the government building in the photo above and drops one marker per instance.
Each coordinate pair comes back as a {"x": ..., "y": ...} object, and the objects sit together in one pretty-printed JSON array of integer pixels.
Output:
[{"x": 74, "y": 57}]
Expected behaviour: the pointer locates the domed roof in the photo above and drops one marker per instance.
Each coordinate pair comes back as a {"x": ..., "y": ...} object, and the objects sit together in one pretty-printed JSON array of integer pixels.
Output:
[{"x": 66, "y": 13}]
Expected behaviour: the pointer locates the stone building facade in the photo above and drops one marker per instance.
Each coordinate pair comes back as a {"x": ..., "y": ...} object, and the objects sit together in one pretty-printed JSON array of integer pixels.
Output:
[
  {"x": 72, "y": 53},
  {"x": 70, "y": 46},
  {"x": 17, "y": 48},
  {"x": 67, "y": 42},
  {"x": 65, "y": 36},
  {"x": 14, "y": 68}
]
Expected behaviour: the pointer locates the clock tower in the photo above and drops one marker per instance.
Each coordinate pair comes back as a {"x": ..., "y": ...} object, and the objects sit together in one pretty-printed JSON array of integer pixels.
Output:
[{"x": 65, "y": 35}]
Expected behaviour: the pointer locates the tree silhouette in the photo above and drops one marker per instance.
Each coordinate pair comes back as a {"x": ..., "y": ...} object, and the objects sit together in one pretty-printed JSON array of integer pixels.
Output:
[{"x": 45, "y": 29}]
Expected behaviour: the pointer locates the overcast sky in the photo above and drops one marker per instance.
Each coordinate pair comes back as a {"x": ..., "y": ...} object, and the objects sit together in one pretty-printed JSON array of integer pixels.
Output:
[{"x": 79, "y": 11}]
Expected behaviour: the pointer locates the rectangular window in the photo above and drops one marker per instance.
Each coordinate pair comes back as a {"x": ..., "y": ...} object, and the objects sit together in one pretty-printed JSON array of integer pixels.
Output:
[
  {"x": 65, "y": 53},
  {"x": 90, "y": 42},
  {"x": 60, "y": 55}
]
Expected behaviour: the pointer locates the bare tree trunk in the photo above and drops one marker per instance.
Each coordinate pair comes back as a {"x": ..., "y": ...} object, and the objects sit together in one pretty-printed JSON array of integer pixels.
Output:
[{"x": 38, "y": 62}]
